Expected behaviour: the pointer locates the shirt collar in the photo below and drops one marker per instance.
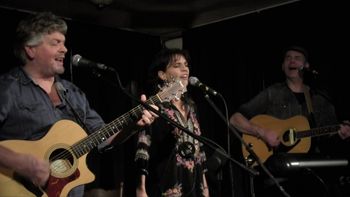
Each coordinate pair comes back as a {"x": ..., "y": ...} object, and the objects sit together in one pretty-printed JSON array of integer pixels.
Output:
[{"x": 23, "y": 77}]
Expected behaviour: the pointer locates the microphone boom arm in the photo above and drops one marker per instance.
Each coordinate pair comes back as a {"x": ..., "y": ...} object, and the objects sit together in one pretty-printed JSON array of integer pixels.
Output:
[
  {"x": 248, "y": 148},
  {"x": 175, "y": 124}
]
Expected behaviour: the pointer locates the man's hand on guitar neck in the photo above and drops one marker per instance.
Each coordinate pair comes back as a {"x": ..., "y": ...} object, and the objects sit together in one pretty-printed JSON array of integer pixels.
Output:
[{"x": 147, "y": 116}]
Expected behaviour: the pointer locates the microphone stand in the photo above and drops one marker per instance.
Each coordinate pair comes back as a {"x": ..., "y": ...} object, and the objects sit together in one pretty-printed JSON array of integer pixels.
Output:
[
  {"x": 247, "y": 147},
  {"x": 175, "y": 124},
  {"x": 188, "y": 132}
]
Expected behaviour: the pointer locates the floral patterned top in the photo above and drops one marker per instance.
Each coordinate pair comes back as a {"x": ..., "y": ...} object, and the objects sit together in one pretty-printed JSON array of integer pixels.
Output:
[{"x": 172, "y": 160}]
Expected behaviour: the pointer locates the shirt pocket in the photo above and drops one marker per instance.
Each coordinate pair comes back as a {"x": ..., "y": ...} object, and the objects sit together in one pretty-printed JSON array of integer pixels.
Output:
[
  {"x": 279, "y": 109},
  {"x": 39, "y": 112},
  {"x": 34, "y": 108},
  {"x": 35, "y": 118}
]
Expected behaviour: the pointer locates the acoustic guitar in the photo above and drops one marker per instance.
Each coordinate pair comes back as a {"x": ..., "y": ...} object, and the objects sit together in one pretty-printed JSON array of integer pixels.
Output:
[
  {"x": 66, "y": 146},
  {"x": 294, "y": 134}
]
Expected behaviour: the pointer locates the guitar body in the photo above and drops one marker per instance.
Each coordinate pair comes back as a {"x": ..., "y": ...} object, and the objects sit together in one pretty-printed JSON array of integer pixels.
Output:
[
  {"x": 67, "y": 172},
  {"x": 66, "y": 146},
  {"x": 284, "y": 130}
]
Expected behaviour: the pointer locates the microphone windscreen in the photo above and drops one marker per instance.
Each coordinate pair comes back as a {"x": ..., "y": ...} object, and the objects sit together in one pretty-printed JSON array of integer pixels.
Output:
[
  {"x": 193, "y": 80},
  {"x": 75, "y": 60}
]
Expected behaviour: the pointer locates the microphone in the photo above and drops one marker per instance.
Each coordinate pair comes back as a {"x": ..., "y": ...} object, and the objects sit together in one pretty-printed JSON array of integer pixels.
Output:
[
  {"x": 308, "y": 70},
  {"x": 195, "y": 82},
  {"x": 79, "y": 61}
]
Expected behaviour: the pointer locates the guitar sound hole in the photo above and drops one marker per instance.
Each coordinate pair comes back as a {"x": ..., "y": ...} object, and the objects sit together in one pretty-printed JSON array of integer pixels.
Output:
[
  {"x": 285, "y": 136},
  {"x": 61, "y": 161}
]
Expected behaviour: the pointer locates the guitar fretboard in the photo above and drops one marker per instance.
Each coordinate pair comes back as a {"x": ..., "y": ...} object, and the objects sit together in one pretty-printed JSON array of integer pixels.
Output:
[
  {"x": 318, "y": 131},
  {"x": 85, "y": 145}
]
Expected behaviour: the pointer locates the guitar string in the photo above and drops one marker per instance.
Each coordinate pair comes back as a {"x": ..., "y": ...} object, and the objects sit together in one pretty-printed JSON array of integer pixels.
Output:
[
  {"x": 68, "y": 152},
  {"x": 309, "y": 133},
  {"x": 318, "y": 131},
  {"x": 85, "y": 145},
  {"x": 104, "y": 130}
]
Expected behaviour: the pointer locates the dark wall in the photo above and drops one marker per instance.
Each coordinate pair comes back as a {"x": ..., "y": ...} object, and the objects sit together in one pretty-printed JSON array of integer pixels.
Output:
[
  {"x": 236, "y": 57},
  {"x": 241, "y": 56},
  {"x": 128, "y": 52}
]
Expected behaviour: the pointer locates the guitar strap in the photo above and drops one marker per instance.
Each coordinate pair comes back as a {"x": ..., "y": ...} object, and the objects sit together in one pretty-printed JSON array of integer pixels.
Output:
[
  {"x": 308, "y": 100},
  {"x": 309, "y": 106},
  {"x": 62, "y": 91}
]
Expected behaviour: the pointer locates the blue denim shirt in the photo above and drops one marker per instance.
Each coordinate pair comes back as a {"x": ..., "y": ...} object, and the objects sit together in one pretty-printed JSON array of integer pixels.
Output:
[{"x": 27, "y": 113}]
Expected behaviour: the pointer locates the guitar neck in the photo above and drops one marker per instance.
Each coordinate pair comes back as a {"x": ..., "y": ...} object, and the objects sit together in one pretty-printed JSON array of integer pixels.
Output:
[
  {"x": 318, "y": 131},
  {"x": 85, "y": 145}
]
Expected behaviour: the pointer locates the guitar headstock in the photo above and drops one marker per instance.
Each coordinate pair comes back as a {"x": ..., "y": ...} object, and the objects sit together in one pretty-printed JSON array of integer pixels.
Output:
[{"x": 171, "y": 90}]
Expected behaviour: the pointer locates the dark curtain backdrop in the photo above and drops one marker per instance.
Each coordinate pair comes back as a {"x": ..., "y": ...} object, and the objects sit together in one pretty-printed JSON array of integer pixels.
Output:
[
  {"x": 237, "y": 57},
  {"x": 128, "y": 52},
  {"x": 241, "y": 56}
]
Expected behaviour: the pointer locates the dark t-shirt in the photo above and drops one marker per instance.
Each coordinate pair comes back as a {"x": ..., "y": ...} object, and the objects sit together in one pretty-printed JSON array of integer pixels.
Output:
[{"x": 280, "y": 102}]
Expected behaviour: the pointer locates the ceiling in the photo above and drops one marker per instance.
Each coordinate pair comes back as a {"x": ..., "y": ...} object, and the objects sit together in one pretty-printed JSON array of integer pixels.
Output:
[{"x": 154, "y": 17}]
